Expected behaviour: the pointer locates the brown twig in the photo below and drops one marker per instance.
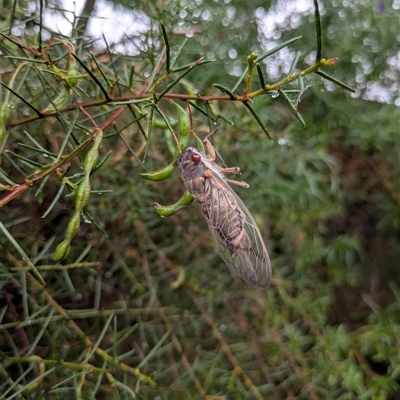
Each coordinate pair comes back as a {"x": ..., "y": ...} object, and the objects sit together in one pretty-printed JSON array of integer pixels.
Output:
[
  {"x": 291, "y": 358},
  {"x": 174, "y": 338},
  {"x": 88, "y": 343},
  {"x": 179, "y": 96},
  {"x": 252, "y": 342},
  {"x": 225, "y": 348},
  {"x": 19, "y": 189}
]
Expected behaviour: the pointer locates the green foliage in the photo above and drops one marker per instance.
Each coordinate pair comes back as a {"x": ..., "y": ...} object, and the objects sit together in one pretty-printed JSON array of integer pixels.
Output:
[{"x": 142, "y": 306}]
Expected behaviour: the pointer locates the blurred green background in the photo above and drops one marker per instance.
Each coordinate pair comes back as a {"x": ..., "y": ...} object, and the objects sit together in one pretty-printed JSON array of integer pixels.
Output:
[{"x": 143, "y": 306}]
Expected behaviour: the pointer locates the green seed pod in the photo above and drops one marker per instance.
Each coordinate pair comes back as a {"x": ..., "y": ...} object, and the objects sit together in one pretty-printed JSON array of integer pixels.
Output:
[
  {"x": 4, "y": 114},
  {"x": 159, "y": 175},
  {"x": 184, "y": 130},
  {"x": 72, "y": 67},
  {"x": 179, "y": 279},
  {"x": 91, "y": 160},
  {"x": 99, "y": 138},
  {"x": 62, "y": 250},
  {"x": 73, "y": 226},
  {"x": 167, "y": 211},
  {"x": 82, "y": 194},
  {"x": 160, "y": 123},
  {"x": 60, "y": 101},
  {"x": 73, "y": 71},
  {"x": 42, "y": 368},
  {"x": 92, "y": 157}
]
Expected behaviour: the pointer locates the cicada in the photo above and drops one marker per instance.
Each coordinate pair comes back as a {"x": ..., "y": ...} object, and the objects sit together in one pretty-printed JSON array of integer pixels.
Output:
[{"x": 238, "y": 240}]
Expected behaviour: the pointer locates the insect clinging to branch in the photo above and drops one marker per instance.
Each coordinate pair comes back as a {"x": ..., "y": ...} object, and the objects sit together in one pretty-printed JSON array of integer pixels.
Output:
[{"x": 238, "y": 240}]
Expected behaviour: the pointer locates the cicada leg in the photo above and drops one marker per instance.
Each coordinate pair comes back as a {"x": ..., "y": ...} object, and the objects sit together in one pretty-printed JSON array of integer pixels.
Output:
[
  {"x": 209, "y": 148},
  {"x": 238, "y": 183},
  {"x": 212, "y": 154},
  {"x": 231, "y": 170}
]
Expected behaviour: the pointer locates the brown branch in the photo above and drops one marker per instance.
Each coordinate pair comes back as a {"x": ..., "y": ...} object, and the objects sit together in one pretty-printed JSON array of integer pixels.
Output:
[
  {"x": 184, "y": 97},
  {"x": 241, "y": 322},
  {"x": 225, "y": 348},
  {"x": 175, "y": 340},
  {"x": 19, "y": 189},
  {"x": 88, "y": 343},
  {"x": 288, "y": 354}
]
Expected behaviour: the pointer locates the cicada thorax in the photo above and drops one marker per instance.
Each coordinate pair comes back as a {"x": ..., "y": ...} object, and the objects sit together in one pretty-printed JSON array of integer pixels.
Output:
[{"x": 218, "y": 206}]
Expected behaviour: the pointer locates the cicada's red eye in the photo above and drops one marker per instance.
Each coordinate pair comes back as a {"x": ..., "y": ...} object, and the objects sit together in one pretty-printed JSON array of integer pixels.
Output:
[{"x": 196, "y": 158}]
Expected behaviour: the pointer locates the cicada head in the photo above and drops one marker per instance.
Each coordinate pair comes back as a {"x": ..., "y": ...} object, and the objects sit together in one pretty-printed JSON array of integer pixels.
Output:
[{"x": 191, "y": 163}]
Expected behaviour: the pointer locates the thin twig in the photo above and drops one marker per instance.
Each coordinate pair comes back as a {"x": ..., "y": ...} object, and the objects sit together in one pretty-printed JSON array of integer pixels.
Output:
[{"x": 225, "y": 348}]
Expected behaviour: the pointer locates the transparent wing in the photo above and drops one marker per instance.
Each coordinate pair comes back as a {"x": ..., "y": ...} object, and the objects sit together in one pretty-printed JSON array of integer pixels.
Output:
[{"x": 238, "y": 240}]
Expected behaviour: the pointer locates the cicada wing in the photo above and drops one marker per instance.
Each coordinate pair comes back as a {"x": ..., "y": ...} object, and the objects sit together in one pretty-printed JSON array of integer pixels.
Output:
[{"x": 238, "y": 240}]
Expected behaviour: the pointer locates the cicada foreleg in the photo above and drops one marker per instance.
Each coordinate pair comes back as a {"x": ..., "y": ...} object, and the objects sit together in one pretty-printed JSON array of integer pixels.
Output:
[
  {"x": 209, "y": 148},
  {"x": 211, "y": 151},
  {"x": 212, "y": 154}
]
